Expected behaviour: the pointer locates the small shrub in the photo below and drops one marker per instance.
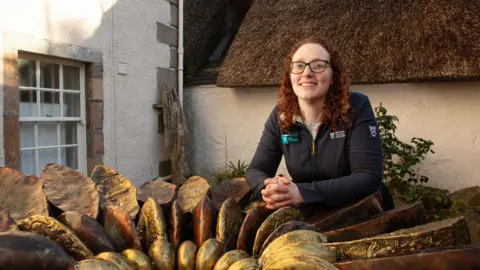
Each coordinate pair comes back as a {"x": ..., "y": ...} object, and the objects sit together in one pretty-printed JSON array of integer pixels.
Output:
[
  {"x": 233, "y": 171},
  {"x": 399, "y": 164},
  {"x": 237, "y": 171},
  {"x": 400, "y": 158}
]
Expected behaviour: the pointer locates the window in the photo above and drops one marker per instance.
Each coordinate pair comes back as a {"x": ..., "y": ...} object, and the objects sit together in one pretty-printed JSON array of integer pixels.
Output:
[{"x": 52, "y": 113}]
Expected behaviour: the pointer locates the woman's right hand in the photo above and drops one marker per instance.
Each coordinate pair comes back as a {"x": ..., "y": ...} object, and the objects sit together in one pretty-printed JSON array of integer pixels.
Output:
[{"x": 277, "y": 193}]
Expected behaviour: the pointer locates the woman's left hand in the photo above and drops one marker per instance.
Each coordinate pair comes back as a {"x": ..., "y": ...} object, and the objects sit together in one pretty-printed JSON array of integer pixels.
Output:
[{"x": 280, "y": 192}]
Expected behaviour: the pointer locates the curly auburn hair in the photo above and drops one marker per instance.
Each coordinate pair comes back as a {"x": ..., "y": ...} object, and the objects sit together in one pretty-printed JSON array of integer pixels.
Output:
[{"x": 336, "y": 107}]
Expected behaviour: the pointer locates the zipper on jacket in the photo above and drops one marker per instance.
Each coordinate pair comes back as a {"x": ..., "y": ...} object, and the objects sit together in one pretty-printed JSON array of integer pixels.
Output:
[{"x": 313, "y": 153}]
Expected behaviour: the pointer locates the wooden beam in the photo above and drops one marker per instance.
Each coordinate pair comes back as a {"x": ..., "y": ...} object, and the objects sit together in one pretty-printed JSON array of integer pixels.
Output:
[
  {"x": 403, "y": 217},
  {"x": 362, "y": 210},
  {"x": 443, "y": 233},
  {"x": 452, "y": 258}
]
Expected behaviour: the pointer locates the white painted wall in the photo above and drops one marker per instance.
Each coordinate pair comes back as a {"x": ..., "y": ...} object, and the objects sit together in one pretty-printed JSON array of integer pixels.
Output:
[
  {"x": 446, "y": 113},
  {"x": 125, "y": 31}
]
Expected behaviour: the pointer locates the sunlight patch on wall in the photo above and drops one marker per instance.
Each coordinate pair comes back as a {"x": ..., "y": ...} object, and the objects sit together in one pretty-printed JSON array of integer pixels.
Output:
[{"x": 57, "y": 20}]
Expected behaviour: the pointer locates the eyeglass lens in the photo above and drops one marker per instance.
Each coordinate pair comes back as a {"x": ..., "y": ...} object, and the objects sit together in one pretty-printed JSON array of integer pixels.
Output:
[{"x": 315, "y": 66}]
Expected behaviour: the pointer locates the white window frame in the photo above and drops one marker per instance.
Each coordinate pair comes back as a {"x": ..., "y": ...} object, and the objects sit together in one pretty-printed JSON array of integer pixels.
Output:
[{"x": 81, "y": 121}]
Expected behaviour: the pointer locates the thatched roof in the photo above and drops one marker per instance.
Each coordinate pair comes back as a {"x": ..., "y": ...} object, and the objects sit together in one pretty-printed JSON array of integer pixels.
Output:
[
  {"x": 203, "y": 18},
  {"x": 382, "y": 41}
]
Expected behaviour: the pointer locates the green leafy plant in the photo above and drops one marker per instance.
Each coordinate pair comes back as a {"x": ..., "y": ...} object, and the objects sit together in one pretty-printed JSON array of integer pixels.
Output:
[
  {"x": 400, "y": 158},
  {"x": 231, "y": 171},
  {"x": 237, "y": 171}
]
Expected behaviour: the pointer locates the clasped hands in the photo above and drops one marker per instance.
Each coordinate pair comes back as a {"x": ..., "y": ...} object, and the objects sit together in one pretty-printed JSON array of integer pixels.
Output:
[{"x": 279, "y": 192}]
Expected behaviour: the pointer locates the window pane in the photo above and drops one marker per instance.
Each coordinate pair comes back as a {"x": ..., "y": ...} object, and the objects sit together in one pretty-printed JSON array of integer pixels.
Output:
[
  {"x": 50, "y": 104},
  {"x": 45, "y": 156},
  {"x": 28, "y": 162},
  {"x": 49, "y": 77},
  {"x": 71, "y": 105},
  {"x": 47, "y": 134},
  {"x": 26, "y": 73},
  {"x": 28, "y": 103},
  {"x": 68, "y": 133},
  {"x": 71, "y": 78},
  {"x": 69, "y": 157},
  {"x": 27, "y": 134}
]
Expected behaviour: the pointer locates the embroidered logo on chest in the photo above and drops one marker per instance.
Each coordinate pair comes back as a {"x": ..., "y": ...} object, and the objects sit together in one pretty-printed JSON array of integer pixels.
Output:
[
  {"x": 373, "y": 130},
  {"x": 337, "y": 134}
]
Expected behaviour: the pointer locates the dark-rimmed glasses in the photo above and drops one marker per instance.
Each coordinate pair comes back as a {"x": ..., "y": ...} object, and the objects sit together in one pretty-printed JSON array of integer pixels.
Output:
[{"x": 316, "y": 66}]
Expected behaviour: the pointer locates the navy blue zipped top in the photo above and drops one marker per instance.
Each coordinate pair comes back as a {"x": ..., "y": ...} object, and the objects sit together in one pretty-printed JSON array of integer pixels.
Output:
[{"x": 336, "y": 168}]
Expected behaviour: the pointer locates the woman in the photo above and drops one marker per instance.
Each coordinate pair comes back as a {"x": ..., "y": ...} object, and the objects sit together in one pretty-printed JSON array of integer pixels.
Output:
[{"x": 328, "y": 136}]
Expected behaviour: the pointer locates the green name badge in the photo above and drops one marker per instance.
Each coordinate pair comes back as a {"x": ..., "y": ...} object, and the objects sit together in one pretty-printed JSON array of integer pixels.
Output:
[{"x": 290, "y": 139}]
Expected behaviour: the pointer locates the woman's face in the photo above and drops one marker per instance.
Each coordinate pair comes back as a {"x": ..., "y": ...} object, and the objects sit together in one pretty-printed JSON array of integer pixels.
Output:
[{"x": 309, "y": 85}]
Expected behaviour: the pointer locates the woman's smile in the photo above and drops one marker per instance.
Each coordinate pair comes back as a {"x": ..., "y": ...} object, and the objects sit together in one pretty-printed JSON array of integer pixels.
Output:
[{"x": 308, "y": 84}]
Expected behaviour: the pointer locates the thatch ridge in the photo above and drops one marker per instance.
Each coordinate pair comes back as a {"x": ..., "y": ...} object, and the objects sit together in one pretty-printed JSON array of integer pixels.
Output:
[{"x": 382, "y": 41}]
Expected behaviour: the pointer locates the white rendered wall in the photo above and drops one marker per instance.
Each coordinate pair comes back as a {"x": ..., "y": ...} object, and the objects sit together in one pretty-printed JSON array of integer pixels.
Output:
[
  {"x": 446, "y": 113},
  {"x": 125, "y": 32}
]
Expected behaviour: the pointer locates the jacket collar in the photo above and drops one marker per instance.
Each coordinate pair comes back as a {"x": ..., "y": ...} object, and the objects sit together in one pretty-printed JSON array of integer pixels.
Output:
[{"x": 297, "y": 119}]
